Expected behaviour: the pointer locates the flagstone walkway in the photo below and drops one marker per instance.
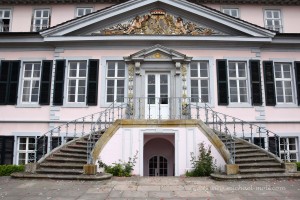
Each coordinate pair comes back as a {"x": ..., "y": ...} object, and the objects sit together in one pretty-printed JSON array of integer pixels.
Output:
[{"x": 149, "y": 188}]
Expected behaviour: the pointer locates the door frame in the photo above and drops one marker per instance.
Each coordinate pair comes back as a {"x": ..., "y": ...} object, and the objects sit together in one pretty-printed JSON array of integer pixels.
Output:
[{"x": 158, "y": 131}]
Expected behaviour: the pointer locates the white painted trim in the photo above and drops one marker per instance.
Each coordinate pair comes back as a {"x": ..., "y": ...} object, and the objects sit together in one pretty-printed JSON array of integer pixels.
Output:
[{"x": 155, "y": 38}]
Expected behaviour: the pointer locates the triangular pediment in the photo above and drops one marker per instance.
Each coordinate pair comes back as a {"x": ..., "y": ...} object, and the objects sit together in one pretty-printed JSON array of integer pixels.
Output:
[
  {"x": 157, "y": 17},
  {"x": 158, "y": 53}
]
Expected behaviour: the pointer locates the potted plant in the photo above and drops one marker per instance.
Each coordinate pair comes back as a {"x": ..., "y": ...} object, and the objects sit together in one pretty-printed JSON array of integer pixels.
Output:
[{"x": 101, "y": 166}]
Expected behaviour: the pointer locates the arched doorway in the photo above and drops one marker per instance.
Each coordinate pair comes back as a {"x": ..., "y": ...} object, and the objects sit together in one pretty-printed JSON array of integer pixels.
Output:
[{"x": 159, "y": 155}]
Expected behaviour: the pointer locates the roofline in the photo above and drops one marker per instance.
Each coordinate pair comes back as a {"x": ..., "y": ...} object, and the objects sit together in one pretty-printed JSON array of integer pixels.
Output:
[{"x": 205, "y": 10}]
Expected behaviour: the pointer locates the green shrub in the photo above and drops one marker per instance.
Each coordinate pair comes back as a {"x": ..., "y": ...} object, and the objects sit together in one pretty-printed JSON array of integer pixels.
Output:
[
  {"x": 121, "y": 168},
  {"x": 204, "y": 164},
  {"x": 298, "y": 166},
  {"x": 7, "y": 170}
]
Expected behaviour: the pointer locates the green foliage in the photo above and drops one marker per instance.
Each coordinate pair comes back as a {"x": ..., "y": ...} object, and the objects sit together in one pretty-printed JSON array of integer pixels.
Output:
[
  {"x": 121, "y": 168},
  {"x": 7, "y": 170},
  {"x": 298, "y": 166},
  {"x": 204, "y": 164}
]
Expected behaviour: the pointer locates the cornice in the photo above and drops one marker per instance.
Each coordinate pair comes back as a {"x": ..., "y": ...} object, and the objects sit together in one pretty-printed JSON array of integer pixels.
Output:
[{"x": 253, "y": 2}]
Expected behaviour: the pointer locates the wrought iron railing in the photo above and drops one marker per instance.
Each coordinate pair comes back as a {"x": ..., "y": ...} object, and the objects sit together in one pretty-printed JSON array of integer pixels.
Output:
[{"x": 94, "y": 125}]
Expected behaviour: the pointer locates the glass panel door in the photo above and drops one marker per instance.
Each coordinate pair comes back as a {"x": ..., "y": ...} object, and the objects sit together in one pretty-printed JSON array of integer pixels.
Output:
[
  {"x": 157, "y": 96},
  {"x": 158, "y": 166}
]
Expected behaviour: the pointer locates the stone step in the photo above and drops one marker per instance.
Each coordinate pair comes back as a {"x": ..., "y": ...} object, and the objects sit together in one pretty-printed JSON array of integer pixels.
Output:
[
  {"x": 253, "y": 159},
  {"x": 66, "y": 159},
  {"x": 241, "y": 151},
  {"x": 262, "y": 170},
  {"x": 79, "y": 151},
  {"x": 97, "y": 177},
  {"x": 77, "y": 146},
  {"x": 70, "y": 155},
  {"x": 260, "y": 164},
  {"x": 254, "y": 176},
  {"x": 259, "y": 154},
  {"x": 82, "y": 142},
  {"x": 59, "y": 171},
  {"x": 240, "y": 146},
  {"x": 62, "y": 165}
]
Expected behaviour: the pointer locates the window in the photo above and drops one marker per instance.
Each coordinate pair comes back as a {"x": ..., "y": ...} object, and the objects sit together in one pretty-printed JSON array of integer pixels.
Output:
[
  {"x": 26, "y": 152},
  {"x": 41, "y": 19},
  {"x": 234, "y": 12},
  {"x": 273, "y": 20},
  {"x": 283, "y": 83},
  {"x": 238, "y": 92},
  {"x": 5, "y": 18},
  {"x": 77, "y": 78},
  {"x": 83, "y": 11},
  {"x": 288, "y": 149},
  {"x": 199, "y": 82},
  {"x": 31, "y": 82},
  {"x": 115, "y": 81}
]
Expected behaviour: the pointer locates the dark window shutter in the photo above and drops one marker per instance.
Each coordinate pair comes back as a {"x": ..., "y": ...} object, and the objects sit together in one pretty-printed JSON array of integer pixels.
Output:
[
  {"x": 269, "y": 83},
  {"x": 222, "y": 82},
  {"x": 6, "y": 150},
  {"x": 4, "y": 80},
  {"x": 59, "y": 83},
  {"x": 92, "y": 86},
  {"x": 45, "y": 89},
  {"x": 15, "y": 67},
  {"x": 9, "y": 82},
  {"x": 297, "y": 72},
  {"x": 255, "y": 82}
]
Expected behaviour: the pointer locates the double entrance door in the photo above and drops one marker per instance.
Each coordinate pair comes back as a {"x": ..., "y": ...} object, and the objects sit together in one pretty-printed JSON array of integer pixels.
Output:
[
  {"x": 158, "y": 166},
  {"x": 157, "y": 103}
]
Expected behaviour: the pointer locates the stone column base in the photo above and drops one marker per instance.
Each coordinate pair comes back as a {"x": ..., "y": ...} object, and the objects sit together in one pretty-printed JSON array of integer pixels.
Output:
[
  {"x": 31, "y": 168},
  {"x": 90, "y": 169},
  {"x": 290, "y": 167},
  {"x": 231, "y": 169}
]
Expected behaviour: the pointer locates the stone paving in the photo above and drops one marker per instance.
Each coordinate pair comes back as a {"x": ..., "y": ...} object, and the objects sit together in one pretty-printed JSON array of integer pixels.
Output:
[{"x": 149, "y": 188}]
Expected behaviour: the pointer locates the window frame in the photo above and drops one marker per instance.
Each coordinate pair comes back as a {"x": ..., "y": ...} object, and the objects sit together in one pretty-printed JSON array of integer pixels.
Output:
[
  {"x": 282, "y": 80},
  {"x": 27, "y": 151},
  {"x": 288, "y": 151},
  {"x": 115, "y": 78},
  {"x": 41, "y": 27},
  {"x": 273, "y": 27},
  {"x": 199, "y": 79},
  {"x": 230, "y": 9},
  {"x": 2, "y": 29},
  {"x": 84, "y": 8},
  {"x": 237, "y": 79},
  {"x": 77, "y": 78},
  {"x": 31, "y": 79}
]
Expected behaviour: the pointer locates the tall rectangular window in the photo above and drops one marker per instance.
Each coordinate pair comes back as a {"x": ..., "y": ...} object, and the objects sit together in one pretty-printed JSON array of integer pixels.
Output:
[
  {"x": 83, "y": 11},
  {"x": 284, "y": 83},
  {"x": 289, "y": 149},
  {"x": 199, "y": 81},
  {"x": 26, "y": 152},
  {"x": 273, "y": 20},
  {"x": 238, "y": 86},
  {"x": 5, "y": 18},
  {"x": 234, "y": 12},
  {"x": 31, "y": 82},
  {"x": 77, "y": 78},
  {"x": 115, "y": 81},
  {"x": 41, "y": 19}
]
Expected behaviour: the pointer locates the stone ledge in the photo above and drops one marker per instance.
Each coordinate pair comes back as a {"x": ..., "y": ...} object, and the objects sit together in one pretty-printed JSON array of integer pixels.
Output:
[
  {"x": 254, "y": 176},
  {"x": 97, "y": 177}
]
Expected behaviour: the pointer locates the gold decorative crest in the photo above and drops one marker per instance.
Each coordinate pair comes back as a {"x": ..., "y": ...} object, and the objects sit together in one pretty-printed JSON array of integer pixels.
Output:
[{"x": 158, "y": 22}]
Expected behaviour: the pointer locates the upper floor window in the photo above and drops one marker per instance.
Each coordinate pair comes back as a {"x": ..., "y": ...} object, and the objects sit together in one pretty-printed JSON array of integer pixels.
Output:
[
  {"x": 5, "y": 18},
  {"x": 83, "y": 11},
  {"x": 199, "y": 82},
  {"x": 41, "y": 19},
  {"x": 234, "y": 12},
  {"x": 273, "y": 20},
  {"x": 115, "y": 81},
  {"x": 238, "y": 87},
  {"x": 283, "y": 83},
  {"x": 77, "y": 81},
  {"x": 31, "y": 82}
]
